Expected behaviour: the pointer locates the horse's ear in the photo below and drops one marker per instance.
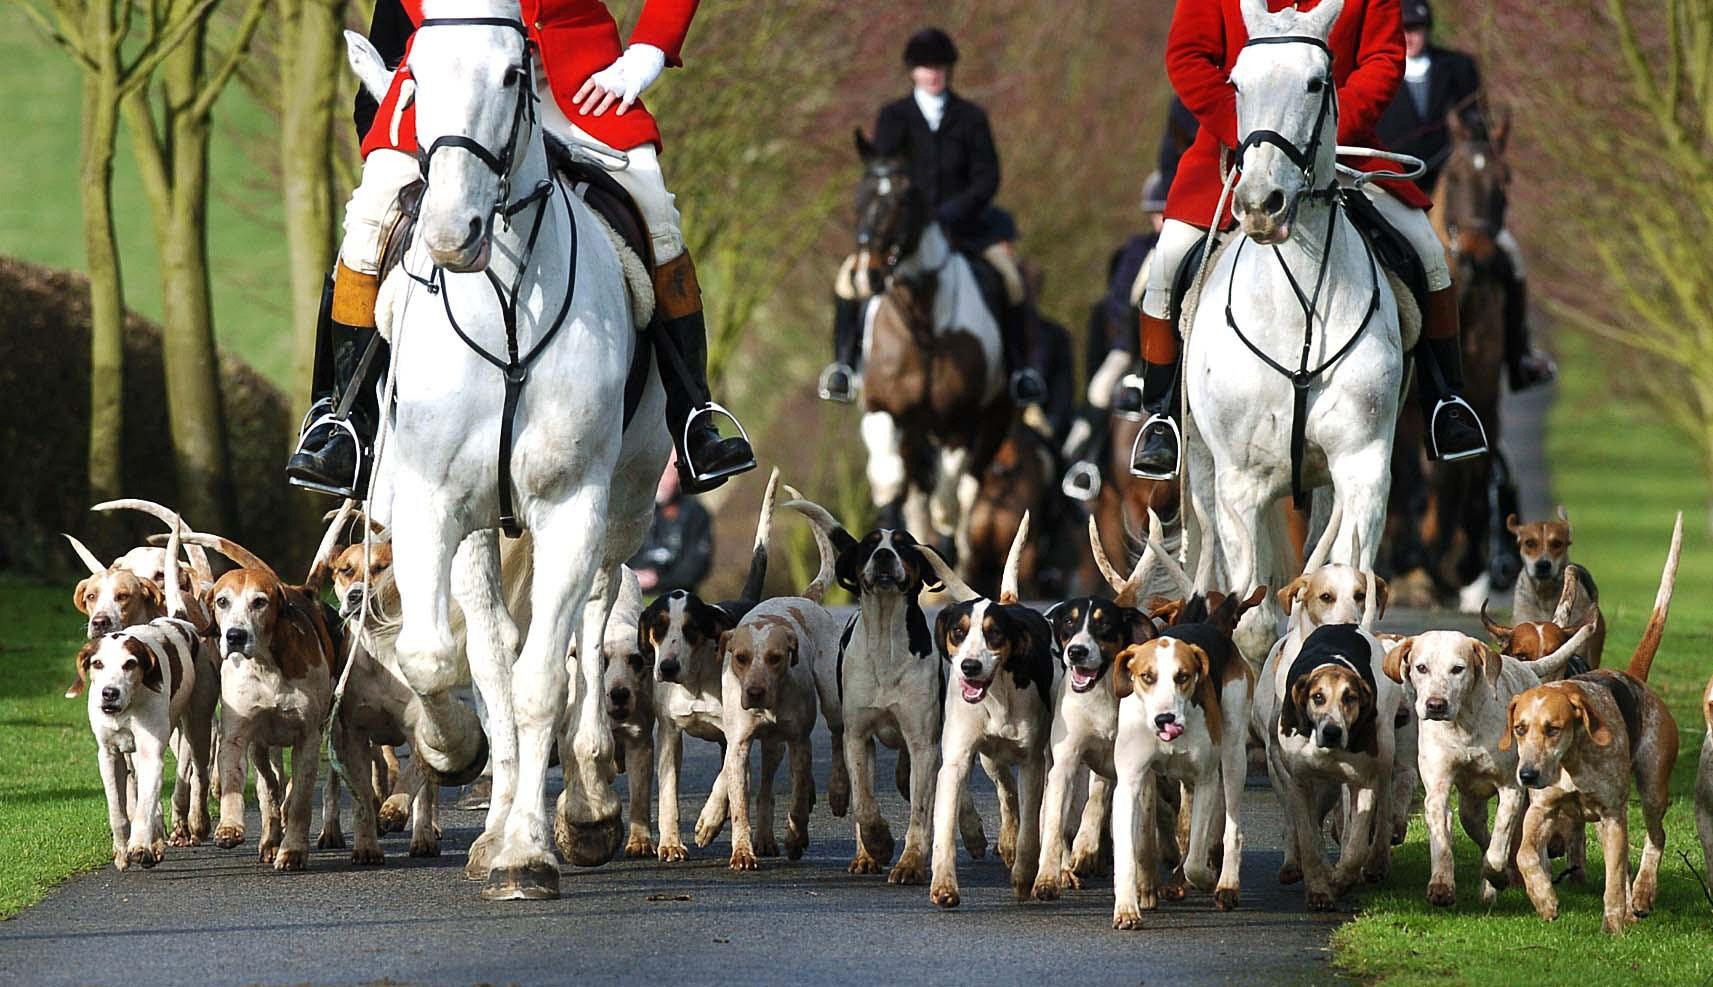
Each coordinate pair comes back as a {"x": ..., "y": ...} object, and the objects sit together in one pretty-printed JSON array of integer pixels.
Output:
[
  {"x": 1499, "y": 130},
  {"x": 864, "y": 147},
  {"x": 1256, "y": 16},
  {"x": 1455, "y": 128},
  {"x": 368, "y": 64}
]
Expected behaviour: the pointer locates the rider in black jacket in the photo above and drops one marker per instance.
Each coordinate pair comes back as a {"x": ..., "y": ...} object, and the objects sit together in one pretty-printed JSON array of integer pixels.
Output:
[{"x": 949, "y": 145}]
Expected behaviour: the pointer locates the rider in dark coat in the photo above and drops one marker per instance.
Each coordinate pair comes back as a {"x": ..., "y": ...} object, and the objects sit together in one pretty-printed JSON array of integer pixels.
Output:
[
  {"x": 1437, "y": 83},
  {"x": 952, "y": 157}
]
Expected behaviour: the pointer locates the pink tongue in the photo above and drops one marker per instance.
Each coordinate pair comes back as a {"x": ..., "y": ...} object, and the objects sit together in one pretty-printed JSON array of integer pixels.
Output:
[
  {"x": 1171, "y": 731},
  {"x": 972, "y": 692}
]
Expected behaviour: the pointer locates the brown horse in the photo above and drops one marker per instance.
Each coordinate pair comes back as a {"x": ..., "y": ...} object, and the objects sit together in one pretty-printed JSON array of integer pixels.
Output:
[
  {"x": 937, "y": 408},
  {"x": 1449, "y": 533}
]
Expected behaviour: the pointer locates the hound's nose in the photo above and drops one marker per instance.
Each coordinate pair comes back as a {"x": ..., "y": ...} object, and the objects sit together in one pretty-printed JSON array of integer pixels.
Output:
[
  {"x": 1331, "y": 735},
  {"x": 1077, "y": 652},
  {"x": 354, "y": 598},
  {"x": 1543, "y": 567},
  {"x": 669, "y": 670},
  {"x": 101, "y": 625},
  {"x": 620, "y": 696},
  {"x": 1529, "y": 775},
  {"x": 236, "y": 639},
  {"x": 1165, "y": 720},
  {"x": 110, "y": 695},
  {"x": 1437, "y": 706},
  {"x": 970, "y": 667},
  {"x": 755, "y": 693}
]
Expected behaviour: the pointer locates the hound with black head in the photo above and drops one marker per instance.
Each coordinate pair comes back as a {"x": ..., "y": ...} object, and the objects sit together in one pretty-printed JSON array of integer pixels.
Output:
[
  {"x": 1461, "y": 688},
  {"x": 679, "y": 636},
  {"x": 1088, "y": 634},
  {"x": 1329, "y": 718},
  {"x": 888, "y": 688},
  {"x": 1000, "y": 707},
  {"x": 1183, "y": 710},
  {"x": 142, "y": 686},
  {"x": 771, "y": 662}
]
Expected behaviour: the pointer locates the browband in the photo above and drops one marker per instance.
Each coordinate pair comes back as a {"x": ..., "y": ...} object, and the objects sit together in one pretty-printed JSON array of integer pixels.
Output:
[
  {"x": 1282, "y": 39},
  {"x": 515, "y": 25}
]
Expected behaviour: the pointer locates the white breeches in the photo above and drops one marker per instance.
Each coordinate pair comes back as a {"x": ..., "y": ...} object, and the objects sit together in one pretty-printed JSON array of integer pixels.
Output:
[
  {"x": 373, "y": 206},
  {"x": 1178, "y": 238}
]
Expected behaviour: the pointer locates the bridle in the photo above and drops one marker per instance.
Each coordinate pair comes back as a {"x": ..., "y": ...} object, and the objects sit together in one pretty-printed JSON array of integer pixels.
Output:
[
  {"x": 523, "y": 111},
  {"x": 914, "y": 220},
  {"x": 1302, "y": 157}
]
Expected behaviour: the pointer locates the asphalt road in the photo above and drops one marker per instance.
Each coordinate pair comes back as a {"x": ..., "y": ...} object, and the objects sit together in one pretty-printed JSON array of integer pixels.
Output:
[{"x": 207, "y": 915}]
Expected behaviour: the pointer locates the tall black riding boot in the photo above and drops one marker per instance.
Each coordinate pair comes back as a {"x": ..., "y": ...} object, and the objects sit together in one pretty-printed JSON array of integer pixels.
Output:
[
  {"x": 705, "y": 459},
  {"x": 337, "y": 440},
  {"x": 1027, "y": 385},
  {"x": 838, "y": 380},
  {"x": 1453, "y": 430},
  {"x": 1155, "y": 455},
  {"x": 1525, "y": 366}
]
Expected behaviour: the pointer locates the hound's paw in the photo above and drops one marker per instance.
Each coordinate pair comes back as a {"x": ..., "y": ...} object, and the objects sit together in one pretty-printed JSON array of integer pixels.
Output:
[
  {"x": 146, "y": 857},
  {"x": 1400, "y": 830},
  {"x": 1084, "y": 862},
  {"x": 1046, "y": 888},
  {"x": 766, "y": 846},
  {"x": 1007, "y": 851},
  {"x": 706, "y": 831},
  {"x": 227, "y": 837},
  {"x": 743, "y": 858},
  {"x": 1441, "y": 895},
  {"x": 1225, "y": 899},
  {"x": 289, "y": 860},
  {"x": 1489, "y": 893},
  {"x": 1616, "y": 924},
  {"x": 908, "y": 870},
  {"x": 839, "y": 793},
  {"x": 862, "y": 863},
  {"x": 330, "y": 839},
  {"x": 671, "y": 853},
  {"x": 1126, "y": 919},
  {"x": 795, "y": 843},
  {"x": 639, "y": 846},
  {"x": 1319, "y": 901},
  {"x": 1547, "y": 910},
  {"x": 395, "y": 812},
  {"x": 878, "y": 839},
  {"x": 944, "y": 895},
  {"x": 180, "y": 836},
  {"x": 370, "y": 856},
  {"x": 426, "y": 845},
  {"x": 267, "y": 852},
  {"x": 1175, "y": 889},
  {"x": 1071, "y": 879},
  {"x": 121, "y": 860},
  {"x": 1290, "y": 874}
]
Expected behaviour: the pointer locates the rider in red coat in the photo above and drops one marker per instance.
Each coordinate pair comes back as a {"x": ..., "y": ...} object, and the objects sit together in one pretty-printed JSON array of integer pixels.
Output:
[
  {"x": 590, "y": 86},
  {"x": 1367, "y": 45}
]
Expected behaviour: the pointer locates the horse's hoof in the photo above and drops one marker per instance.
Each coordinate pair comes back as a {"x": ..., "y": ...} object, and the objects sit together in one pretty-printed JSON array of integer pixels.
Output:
[
  {"x": 532, "y": 882},
  {"x": 588, "y": 844}
]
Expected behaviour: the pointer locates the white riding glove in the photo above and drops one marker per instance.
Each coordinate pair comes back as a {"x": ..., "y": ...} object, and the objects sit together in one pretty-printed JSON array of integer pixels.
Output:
[{"x": 624, "y": 80}]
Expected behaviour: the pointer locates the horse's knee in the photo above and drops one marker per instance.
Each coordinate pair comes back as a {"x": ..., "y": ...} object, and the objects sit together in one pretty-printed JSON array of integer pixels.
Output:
[{"x": 424, "y": 655}]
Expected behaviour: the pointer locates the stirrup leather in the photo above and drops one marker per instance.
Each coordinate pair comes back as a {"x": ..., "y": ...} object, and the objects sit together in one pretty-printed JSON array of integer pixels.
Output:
[
  {"x": 1142, "y": 436},
  {"x": 1082, "y": 481},
  {"x": 362, "y": 460},
  {"x": 1433, "y": 433},
  {"x": 1131, "y": 381},
  {"x": 825, "y": 391},
  {"x": 710, "y": 409}
]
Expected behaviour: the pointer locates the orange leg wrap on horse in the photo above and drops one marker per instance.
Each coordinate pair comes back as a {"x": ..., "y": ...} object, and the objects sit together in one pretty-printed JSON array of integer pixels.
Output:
[{"x": 1159, "y": 340}]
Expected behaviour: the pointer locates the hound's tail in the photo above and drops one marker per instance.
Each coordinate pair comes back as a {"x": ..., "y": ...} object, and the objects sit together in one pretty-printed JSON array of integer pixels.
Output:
[
  {"x": 1643, "y": 660},
  {"x": 232, "y": 550},
  {"x": 176, "y": 608},
  {"x": 319, "y": 565},
  {"x": 198, "y": 558},
  {"x": 757, "y": 578},
  {"x": 817, "y": 588},
  {"x": 1014, "y": 562}
]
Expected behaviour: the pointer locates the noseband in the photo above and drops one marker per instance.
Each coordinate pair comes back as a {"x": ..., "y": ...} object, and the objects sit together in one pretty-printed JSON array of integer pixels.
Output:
[
  {"x": 1303, "y": 158},
  {"x": 500, "y": 164},
  {"x": 914, "y": 222}
]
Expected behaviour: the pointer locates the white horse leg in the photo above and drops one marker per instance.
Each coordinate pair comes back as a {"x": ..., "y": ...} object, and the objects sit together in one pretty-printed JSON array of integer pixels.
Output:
[
  {"x": 444, "y": 732},
  {"x": 491, "y": 640},
  {"x": 946, "y": 502},
  {"x": 524, "y": 865},
  {"x": 586, "y": 826},
  {"x": 1362, "y": 480},
  {"x": 887, "y": 476}
]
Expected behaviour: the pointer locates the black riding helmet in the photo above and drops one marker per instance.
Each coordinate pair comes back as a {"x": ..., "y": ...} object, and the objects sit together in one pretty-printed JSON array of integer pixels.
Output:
[
  {"x": 930, "y": 46},
  {"x": 1417, "y": 13}
]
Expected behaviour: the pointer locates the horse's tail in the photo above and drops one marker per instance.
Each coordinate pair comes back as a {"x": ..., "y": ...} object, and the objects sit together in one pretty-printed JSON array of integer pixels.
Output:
[
  {"x": 753, "y": 583},
  {"x": 1642, "y": 661}
]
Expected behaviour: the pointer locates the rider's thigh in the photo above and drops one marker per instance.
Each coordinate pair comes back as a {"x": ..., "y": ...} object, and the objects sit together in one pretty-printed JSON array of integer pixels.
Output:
[
  {"x": 1413, "y": 224},
  {"x": 373, "y": 206},
  {"x": 1177, "y": 239}
]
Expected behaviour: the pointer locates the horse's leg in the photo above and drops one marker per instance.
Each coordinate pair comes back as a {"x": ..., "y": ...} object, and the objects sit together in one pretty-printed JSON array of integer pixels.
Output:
[
  {"x": 491, "y": 640},
  {"x": 445, "y": 733},
  {"x": 887, "y": 476},
  {"x": 946, "y": 502},
  {"x": 586, "y": 826},
  {"x": 571, "y": 534},
  {"x": 1361, "y": 482}
]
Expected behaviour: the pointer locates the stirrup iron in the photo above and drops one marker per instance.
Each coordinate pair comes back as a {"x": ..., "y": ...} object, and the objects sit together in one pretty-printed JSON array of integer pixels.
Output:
[
  {"x": 710, "y": 409},
  {"x": 1082, "y": 482},
  {"x": 825, "y": 392},
  {"x": 362, "y": 460},
  {"x": 1433, "y": 436},
  {"x": 1142, "y": 436}
]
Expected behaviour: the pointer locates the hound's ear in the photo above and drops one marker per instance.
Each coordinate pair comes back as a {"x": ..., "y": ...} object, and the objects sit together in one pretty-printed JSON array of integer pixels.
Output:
[
  {"x": 1385, "y": 594},
  {"x": 720, "y": 619},
  {"x": 77, "y": 595},
  {"x": 1492, "y": 664},
  {"x": 1397, "y": 663},
  {"x": 1121, "y": 684},
  {"x": 1511, "y": 524},
  {"x": 644, "y": 640},
  {"x": 1591, "y": 721},
  {"x": 157, "y": 598},
  {"x": 1260, "y": 593},
  {"x": 1288, "y": 595},
  {"x": 942, "y": 629},
  {"x": 152, "y": 678},
  {"x": 1455, "y": 127},
  {"x": 1139, "y": 626},
  {"x": 1165, "y": 610},
  {"x": 1291, "y": 715},
  {"x": 1365, "y": 732},
  {"x": 724, "y": 638},
  {"x": 794, "y": 651},
  {"x": 845, "y": 567},
  {"x": 1510, "y": 724},
  {"x": 82, "y": 663}
]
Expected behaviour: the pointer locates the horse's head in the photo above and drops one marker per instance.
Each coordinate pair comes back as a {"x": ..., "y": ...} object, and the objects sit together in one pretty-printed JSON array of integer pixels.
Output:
[
  {"x": 891, "y": 211},
  {"x": 475, "y": 116},
  {"x": 1287, "y": 114},
  {"x": 1472, "y": 186}
]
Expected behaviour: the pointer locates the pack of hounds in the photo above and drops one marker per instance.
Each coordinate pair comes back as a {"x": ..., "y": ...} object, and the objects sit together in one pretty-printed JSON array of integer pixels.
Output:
[{"x": 1116, "y": 727}]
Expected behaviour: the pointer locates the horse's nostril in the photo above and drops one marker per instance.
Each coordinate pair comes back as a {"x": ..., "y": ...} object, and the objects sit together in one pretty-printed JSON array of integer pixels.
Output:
[{"x": 1274, "y": 202}]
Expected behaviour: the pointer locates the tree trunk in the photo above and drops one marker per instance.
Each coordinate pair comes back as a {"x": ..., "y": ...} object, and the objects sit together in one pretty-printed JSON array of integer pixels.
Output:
[
  {"x": 106, "y": 297},
  {"x": 309, "y": 51}
]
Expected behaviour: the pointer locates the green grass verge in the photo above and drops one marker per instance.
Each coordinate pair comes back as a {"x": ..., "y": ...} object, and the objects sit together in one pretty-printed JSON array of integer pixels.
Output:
[
  {"x": 53, "y": 815},
  {"x": 1621, "y": 475}
]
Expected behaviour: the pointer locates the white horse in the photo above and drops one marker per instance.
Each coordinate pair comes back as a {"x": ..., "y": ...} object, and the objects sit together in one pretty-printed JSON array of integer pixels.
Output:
[
  {"x": 1301, "y": 253},
  {"x": 501, "y": 231}
]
